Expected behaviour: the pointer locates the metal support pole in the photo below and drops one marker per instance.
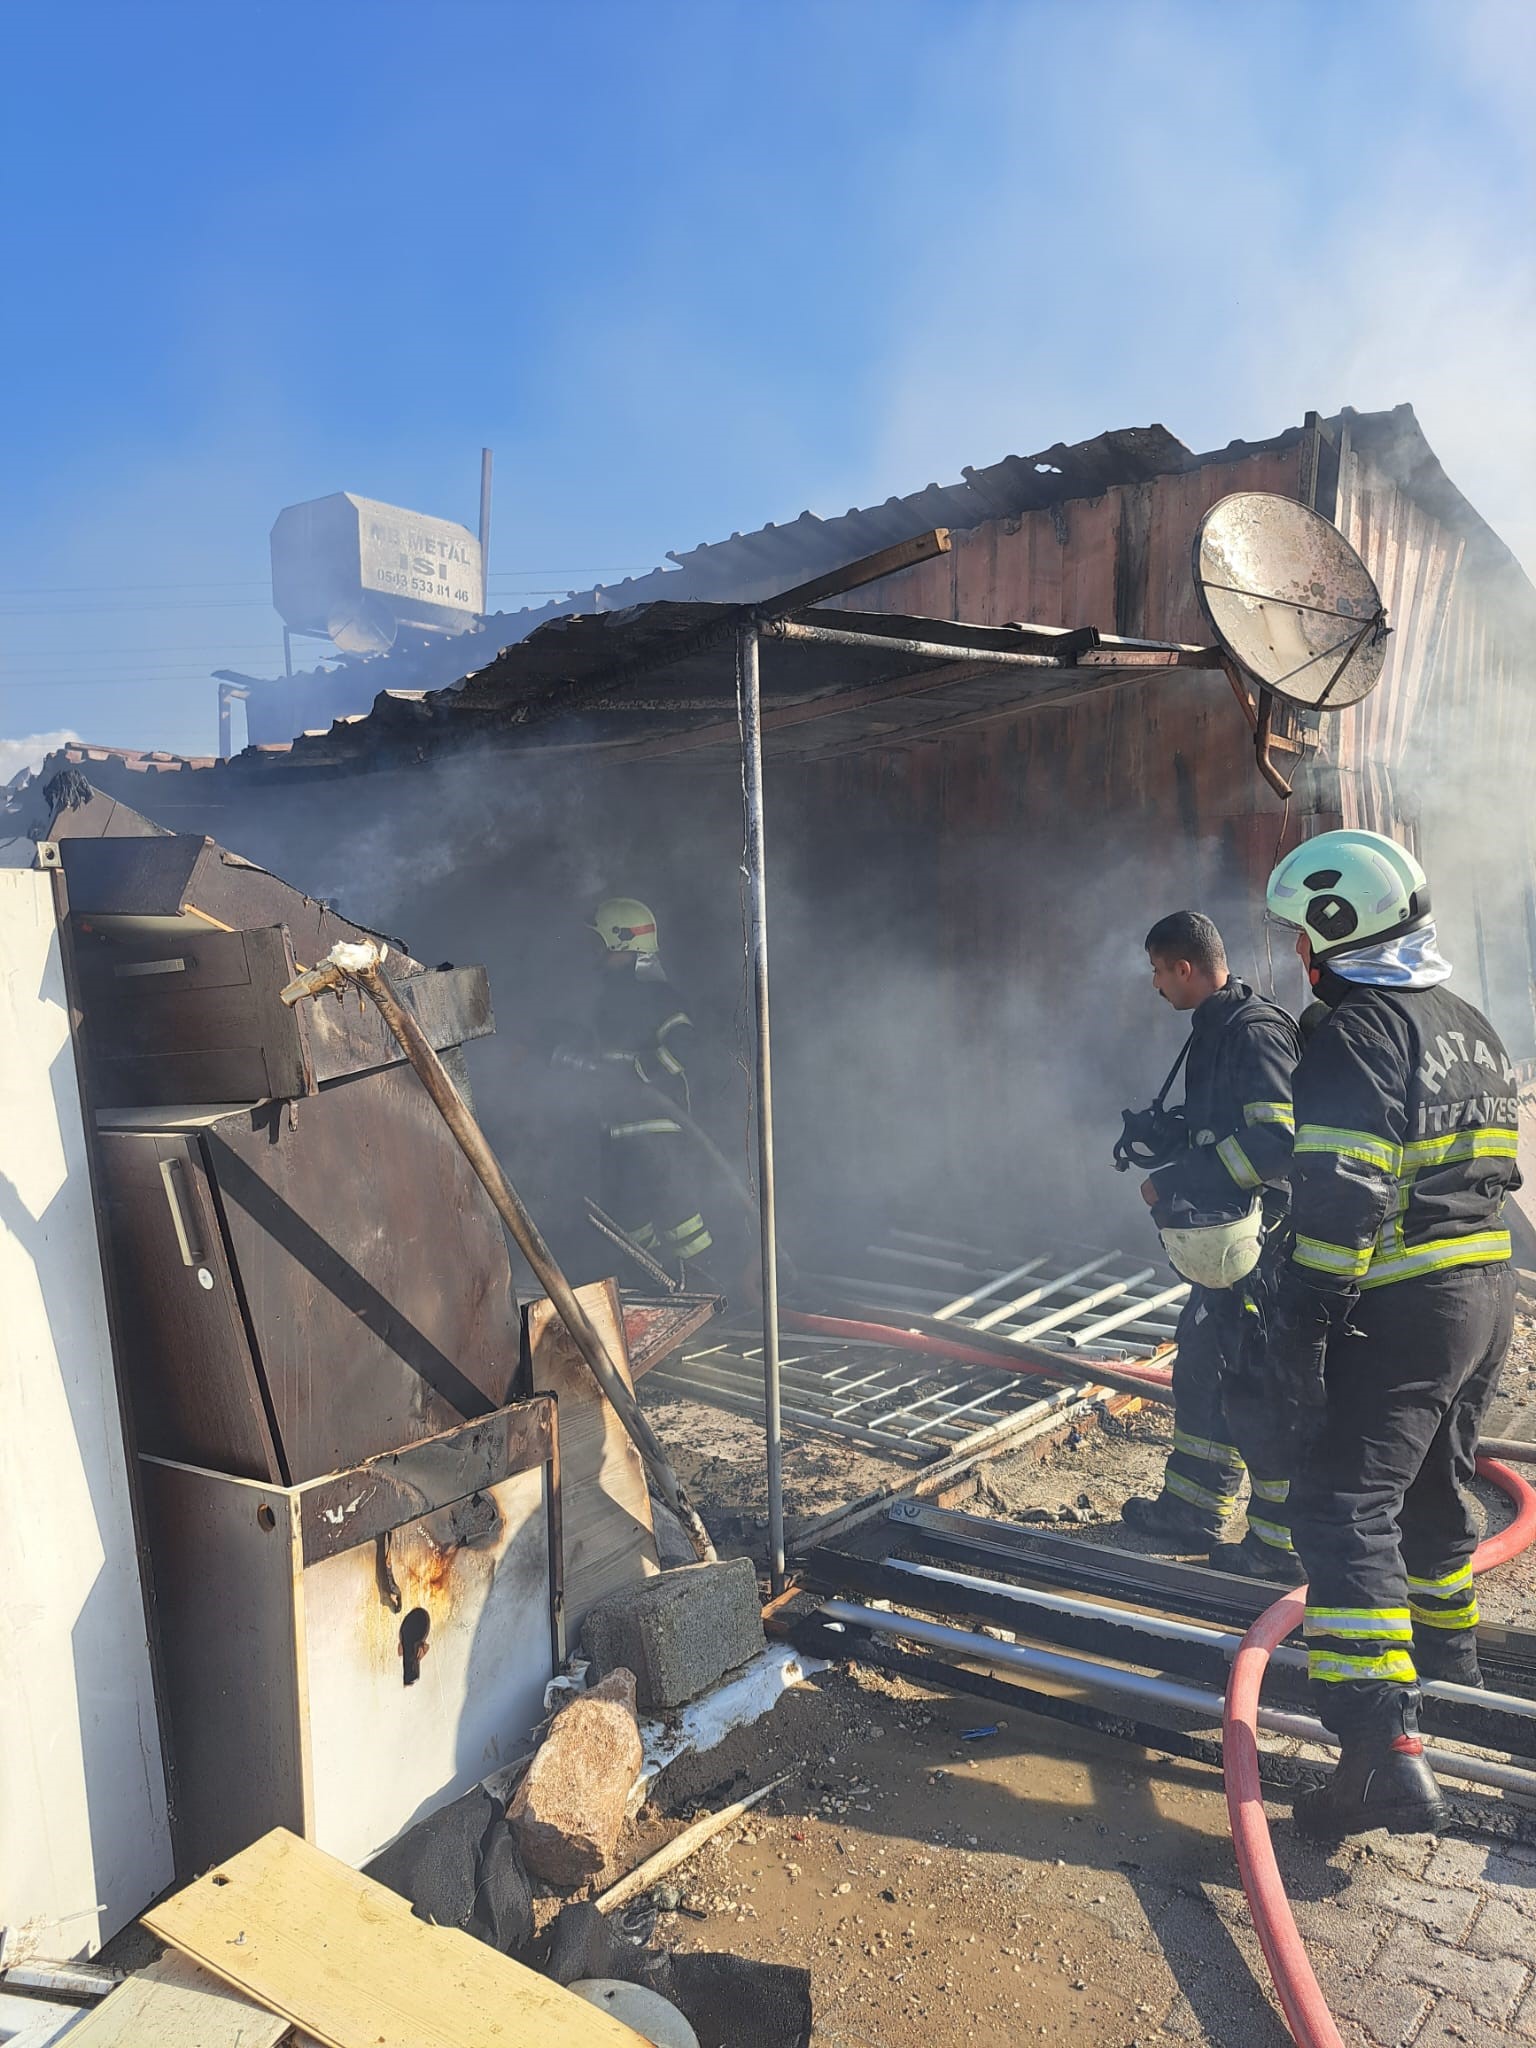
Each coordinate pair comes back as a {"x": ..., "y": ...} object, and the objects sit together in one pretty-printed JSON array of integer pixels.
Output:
[
  {"x": 485, "y": 531},
  {"x": 228, "y": 692},
  {"x": 751, "y": 707}
]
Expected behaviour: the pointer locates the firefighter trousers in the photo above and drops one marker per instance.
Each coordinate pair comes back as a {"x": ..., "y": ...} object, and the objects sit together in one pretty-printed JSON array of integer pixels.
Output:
[
  {"x": 649, "y": 1189},
  {"x": 1209, "y": 1456},
  {"x": 1381, "y": 1513}
]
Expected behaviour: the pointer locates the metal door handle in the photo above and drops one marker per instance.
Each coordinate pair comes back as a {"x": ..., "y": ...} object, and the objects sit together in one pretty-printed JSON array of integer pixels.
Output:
[{"x": 172, "y": 1175}]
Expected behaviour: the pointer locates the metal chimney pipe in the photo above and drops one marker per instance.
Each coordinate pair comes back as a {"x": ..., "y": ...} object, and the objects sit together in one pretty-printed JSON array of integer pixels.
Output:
[{"x": 485, "y": 531}]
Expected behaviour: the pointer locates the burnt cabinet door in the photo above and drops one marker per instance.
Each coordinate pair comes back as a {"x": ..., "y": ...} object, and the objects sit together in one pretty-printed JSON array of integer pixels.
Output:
[
  {"x": 371, "y": 1266},
  {"x": 197, "y": 1396}
]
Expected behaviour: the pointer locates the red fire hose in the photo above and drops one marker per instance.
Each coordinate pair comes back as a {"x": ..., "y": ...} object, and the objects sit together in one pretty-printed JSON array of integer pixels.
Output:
[
  {"x": 1156, "y": 1379},
  {"x": 1301, "y": 1997}
]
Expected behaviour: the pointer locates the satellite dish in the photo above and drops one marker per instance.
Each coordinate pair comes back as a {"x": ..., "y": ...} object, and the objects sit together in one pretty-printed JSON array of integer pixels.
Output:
[{"x": 1290, "y": 601}]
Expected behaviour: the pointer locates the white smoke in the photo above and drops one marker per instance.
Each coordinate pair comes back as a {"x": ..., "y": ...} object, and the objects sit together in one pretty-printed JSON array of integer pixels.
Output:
[{"x": 26, "y": 755}]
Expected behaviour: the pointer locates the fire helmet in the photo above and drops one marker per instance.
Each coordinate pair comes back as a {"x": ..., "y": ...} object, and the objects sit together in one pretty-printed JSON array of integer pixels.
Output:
[
  {"x": 1217, "y": 1254},
  {"x": 625, "y": 926},
  {"x": 1348, "y": 889}
]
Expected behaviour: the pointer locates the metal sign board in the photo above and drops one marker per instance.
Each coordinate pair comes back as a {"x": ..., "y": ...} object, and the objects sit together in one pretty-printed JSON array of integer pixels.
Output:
[
  {"x": 423, "y": 561},
  {"x": 356, "y": 571}
]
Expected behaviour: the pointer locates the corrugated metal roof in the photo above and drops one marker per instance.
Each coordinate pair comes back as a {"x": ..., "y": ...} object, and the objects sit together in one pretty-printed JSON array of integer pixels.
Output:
[
  {"x": 749, "y": 566},
  {"x": 661, "y": 679}
]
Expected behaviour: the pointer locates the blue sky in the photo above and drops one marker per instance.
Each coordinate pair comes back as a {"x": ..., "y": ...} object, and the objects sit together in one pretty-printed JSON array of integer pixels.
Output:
[{"x": 688, "y": 266}]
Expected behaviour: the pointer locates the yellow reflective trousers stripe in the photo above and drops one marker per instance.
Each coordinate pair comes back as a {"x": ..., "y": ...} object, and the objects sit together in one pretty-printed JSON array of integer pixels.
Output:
[
  {"x": 1198, "y": 1496},
  {"x": 1395, "y": 1666},
  {"x": 1447, "y": 1617},
  {"x": 1461, "y": 1576},
  {"x": 1207, "y": 1449},
  {"x": 1359, "y": 1621}
]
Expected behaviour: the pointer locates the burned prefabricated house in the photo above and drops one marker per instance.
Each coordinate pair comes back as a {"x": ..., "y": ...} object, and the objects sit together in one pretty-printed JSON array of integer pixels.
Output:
[
  {"x": 987, "y": 742},
  {"x": 963, "y": 858}
]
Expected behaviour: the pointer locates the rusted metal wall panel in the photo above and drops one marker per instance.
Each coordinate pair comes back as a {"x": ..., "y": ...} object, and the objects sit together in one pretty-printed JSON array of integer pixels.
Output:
[
  {"x": 1441, "y": 753},
  {"x": 1034, "y": 851}
]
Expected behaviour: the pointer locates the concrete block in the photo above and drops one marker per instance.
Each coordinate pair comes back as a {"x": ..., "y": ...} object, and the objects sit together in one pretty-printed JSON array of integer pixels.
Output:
[
  {"x": 568, "y": 1810},
  {"x": 679, "y": 1633}
]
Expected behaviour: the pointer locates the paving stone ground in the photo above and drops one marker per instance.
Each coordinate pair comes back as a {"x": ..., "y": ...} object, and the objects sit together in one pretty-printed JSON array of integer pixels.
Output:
[{"x": 1418, "y": 1942}]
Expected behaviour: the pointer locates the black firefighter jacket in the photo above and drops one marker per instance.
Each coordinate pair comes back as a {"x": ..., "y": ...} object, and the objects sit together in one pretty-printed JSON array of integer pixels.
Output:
[
  {"x": 1237, "y": 1103},
  {"x": 1406, "y": 1113}
]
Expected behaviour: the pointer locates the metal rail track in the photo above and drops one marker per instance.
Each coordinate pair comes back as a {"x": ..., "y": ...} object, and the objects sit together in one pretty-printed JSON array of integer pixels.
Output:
[{"x": 891, "y": 1560}]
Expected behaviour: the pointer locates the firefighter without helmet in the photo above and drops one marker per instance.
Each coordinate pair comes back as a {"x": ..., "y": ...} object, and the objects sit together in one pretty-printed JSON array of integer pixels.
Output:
[
  {"x": 1348, "y": 889},
  {"x": 625, "y": 926}
]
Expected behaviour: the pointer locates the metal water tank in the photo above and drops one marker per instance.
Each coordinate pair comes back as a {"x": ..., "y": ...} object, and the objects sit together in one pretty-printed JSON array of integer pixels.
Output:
[{"x": 356, "y": 571}]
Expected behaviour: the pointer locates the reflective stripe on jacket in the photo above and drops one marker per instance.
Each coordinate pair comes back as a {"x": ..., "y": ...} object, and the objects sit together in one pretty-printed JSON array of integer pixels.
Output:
[
  {"x": 1406, "y": 1116},
  {"x": 1237, "y": 1101}
]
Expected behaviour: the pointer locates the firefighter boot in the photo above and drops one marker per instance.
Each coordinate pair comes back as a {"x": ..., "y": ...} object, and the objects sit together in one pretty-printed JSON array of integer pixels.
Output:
[
  {"x": 1175, "y": 1524},
  {"x": 1253, "y": 1558},
  {"x": 1380, "y": 1781},
  {"x": 1448, "y": 1655}
]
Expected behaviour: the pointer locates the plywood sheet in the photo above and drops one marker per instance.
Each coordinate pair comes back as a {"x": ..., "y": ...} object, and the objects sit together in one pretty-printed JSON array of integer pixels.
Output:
[
  {"x": 605, "y": 1506},
  {"x": 350, "y": 1963},
  {"x": 176, "y": 2003}
]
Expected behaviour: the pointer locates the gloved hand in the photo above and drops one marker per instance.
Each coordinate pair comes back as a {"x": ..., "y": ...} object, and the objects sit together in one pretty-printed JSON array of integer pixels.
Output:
[{"x": 1303, "y": 1315}]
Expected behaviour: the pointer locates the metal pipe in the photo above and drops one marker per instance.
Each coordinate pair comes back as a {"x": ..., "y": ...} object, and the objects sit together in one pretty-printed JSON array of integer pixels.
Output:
[
  {"x": 1164, "y": 1626},
  {"x": 969, "y": 1301},
  {"x": 751, "y": 707},
  {"x": 362, "y": 963},
  {"x": 1041, "y": 1324},
  {"x": 1040, "y": 1293},
  {"x": 1136, "y": 1313},
  {"x": 485, "y": 531},
  {"x": 928, "y": 650},
  {"x": 1166, "y": 1692},
  {"x": 1512, "y": 1447}
]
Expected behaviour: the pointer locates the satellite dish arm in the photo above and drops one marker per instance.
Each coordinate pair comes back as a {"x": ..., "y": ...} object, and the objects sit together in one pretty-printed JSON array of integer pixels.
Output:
[{"x": 1260, "y": 723}]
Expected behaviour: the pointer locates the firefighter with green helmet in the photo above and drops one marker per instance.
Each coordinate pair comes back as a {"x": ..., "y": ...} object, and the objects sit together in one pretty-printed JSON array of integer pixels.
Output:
[
  {"x": 649, "y": 1167},
  {"x": 1392, "y": 1315}
]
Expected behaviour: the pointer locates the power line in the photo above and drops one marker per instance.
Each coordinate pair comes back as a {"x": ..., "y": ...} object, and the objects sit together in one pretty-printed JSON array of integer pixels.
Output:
[{"x": 263, "y": 582}]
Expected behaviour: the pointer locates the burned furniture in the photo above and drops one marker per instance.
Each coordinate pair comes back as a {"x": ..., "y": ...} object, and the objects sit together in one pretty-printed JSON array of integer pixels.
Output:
[
  {"x": 345, "y": 1655},
  {"x": 353, "y": 1522}
]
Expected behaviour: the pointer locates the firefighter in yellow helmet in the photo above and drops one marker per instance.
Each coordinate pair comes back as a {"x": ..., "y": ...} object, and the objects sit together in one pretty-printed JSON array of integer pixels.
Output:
[{"x": 649, "y": 1165}]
